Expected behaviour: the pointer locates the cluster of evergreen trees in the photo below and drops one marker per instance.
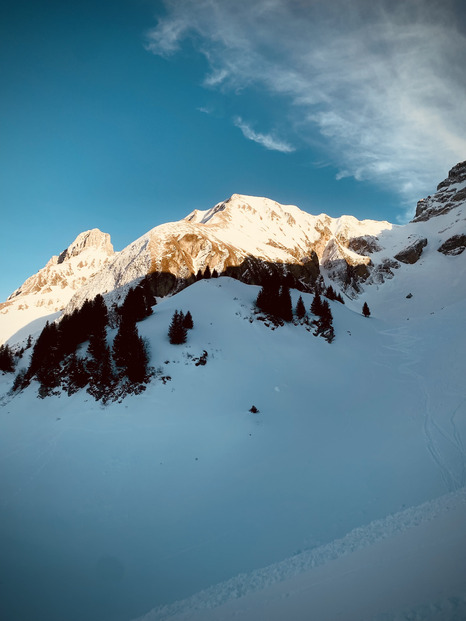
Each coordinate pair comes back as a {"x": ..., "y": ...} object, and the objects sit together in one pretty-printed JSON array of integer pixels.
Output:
[
  {"x": 331, "y": 294},
  {"x": 179, "y": 326},
  {"x": 7, "y": 360},
  {"x": 274, "y": 299},
  {"x": 207, "y": 273},
  {"x": 107, "y": 371},
  {"x": 324, "y": 322}
]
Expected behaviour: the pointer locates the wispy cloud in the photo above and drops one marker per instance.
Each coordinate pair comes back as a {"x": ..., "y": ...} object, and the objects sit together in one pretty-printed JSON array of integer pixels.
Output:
[
  {"x": 382, "y": 81},
  {"x": 266, "y": 140},
  {"x": 205, "y": 109}
]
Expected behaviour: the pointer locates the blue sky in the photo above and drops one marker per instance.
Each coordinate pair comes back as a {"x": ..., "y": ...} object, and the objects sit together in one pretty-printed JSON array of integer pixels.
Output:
[{"x": 126, "y": 114}]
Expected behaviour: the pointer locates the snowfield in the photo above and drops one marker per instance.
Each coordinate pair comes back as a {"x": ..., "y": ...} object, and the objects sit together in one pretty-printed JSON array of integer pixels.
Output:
[{"x": 179, "y": 503}]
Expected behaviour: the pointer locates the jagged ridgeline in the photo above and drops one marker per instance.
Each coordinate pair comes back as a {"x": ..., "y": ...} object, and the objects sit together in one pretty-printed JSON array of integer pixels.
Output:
[
  {"x": 243, "y": 237},
  {"x": 102, "y": 295}
]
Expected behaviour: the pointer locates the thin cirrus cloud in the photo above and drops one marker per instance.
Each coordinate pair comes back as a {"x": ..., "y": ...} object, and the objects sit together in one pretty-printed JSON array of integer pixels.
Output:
[
  {"x": 379, "y": 83},
  {"x": 266, "y": 140}
]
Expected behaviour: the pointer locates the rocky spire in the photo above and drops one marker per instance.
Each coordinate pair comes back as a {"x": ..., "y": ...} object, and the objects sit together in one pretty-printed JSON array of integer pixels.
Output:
[{"x": 88, "y": 239}]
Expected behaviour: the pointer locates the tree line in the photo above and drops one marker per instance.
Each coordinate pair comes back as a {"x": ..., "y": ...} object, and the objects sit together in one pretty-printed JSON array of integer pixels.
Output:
[
  {"x": 108, "y": 370},
  {"x": 274, "y": 299}
]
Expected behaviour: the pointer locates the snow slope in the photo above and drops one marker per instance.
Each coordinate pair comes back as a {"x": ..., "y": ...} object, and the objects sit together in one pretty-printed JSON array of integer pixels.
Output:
[
  {"x": 411, "y": 564},
  {"x": 110, "y": 512}
]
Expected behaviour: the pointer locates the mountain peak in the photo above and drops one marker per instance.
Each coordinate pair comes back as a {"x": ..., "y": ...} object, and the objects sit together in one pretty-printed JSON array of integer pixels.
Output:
[
  {"x": 51, "y": 288},
  {"x": 93, "y": 238}
]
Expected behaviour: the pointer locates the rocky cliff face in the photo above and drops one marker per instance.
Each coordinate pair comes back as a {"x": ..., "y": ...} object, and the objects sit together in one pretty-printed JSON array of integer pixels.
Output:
[
  {"x": 451, "y": 193},
  {"x": 53, "y": 286},
  {"x": 242, "y": 237}
]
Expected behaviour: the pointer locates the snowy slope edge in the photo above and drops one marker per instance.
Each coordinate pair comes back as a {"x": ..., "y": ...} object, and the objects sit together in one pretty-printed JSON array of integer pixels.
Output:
[{"x": 357, "y": 539}]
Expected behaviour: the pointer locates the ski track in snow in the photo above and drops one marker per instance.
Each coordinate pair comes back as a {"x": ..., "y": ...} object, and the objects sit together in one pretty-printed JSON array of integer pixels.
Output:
[{"x": 453, "y": 476}]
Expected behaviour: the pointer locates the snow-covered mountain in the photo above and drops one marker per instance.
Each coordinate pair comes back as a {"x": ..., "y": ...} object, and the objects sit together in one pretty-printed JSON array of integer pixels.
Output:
[
  {"x": 242, "y": 237},
  {"x": 51, "y": 289},
  {"x": 340, "y": 495}
]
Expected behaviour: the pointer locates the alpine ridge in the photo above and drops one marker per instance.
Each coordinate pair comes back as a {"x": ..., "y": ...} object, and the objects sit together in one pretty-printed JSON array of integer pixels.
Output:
[
  {"x": 50, "y": 290},
  {"x": 245, "y": 237}
]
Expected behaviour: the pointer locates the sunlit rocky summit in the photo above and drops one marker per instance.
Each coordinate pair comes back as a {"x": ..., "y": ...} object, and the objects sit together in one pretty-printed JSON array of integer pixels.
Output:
[{"x": 244, "y": 237}]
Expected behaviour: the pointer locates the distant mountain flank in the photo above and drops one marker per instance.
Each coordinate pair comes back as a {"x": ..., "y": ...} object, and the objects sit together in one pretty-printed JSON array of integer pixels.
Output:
[{"x": 247, "y": 238}]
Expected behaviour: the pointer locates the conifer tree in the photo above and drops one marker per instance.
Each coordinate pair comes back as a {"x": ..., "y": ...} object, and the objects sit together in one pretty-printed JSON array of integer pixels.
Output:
[
  {"x": 99, "y": 314},
  {"x": 138, "y": 303},
  {"x": 46, "y": 356},
  {"x": 129, "y": 352},
  {"x": 214, "y": 274},
  {"x": 188, "y": 321},
  {"x": 324, "y": 324},
  {"x": 99, "y": 366},
  {"x": 76, "y": 375},
  {"x": 285, "y": 307},
  {"x": 268, "y": 297},
  {"x": 45, "y": 360},
  {"x": 207, "y": 273},
  {"x": 300, "y": 308},
  {"x": 365, "y": 310},
  {"x": 177, "y": 332},
  {"x": 316, "y": 305},
  {"x": 7, "y": 363}
]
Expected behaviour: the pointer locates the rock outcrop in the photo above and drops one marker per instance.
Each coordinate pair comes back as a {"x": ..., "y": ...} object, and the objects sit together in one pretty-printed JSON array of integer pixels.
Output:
[
  {"x": 450, "y": 193},
  {"x": 243, "y": 237},
  {"x": 412, "y": 253},
  {"x": 454, "y": 245}
]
